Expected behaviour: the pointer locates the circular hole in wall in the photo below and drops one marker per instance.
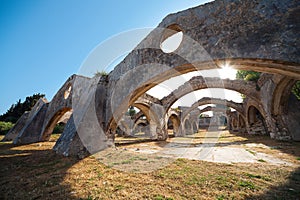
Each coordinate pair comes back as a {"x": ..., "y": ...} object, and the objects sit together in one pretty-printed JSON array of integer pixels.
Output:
[{"x": 172, "y": 39}]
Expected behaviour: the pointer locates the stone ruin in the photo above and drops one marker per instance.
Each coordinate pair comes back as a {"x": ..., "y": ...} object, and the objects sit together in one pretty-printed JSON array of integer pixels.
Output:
[{"x": 255, "y": 35}]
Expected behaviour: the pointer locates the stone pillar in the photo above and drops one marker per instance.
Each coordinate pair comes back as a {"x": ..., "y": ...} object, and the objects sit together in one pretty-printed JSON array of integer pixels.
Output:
[{"x": 153, "y": 129}]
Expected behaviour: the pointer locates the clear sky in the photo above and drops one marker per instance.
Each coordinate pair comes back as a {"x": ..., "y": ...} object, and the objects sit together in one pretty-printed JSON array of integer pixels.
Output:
[{"x": 43, "y": 42}]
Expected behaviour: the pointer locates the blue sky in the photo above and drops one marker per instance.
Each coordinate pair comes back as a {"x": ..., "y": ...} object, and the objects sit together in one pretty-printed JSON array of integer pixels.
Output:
[{"x": 43, "y": 42}]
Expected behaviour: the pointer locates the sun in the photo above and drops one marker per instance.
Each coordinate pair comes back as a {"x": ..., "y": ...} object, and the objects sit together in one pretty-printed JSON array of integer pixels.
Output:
[{"x": 227, "y": 71}]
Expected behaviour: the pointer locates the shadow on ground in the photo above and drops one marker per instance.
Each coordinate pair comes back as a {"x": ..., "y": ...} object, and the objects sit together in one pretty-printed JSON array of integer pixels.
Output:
[
  {"x": 33, "y": 173},
  {"x": 288, "y": 191}
]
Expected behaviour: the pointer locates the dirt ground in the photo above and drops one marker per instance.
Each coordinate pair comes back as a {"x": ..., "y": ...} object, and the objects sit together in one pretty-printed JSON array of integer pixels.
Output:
[{"x": 232, "y": 167}]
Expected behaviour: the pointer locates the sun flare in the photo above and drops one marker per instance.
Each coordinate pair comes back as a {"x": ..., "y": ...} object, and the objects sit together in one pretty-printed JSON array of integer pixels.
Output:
[{"x": 227, "y": 71}]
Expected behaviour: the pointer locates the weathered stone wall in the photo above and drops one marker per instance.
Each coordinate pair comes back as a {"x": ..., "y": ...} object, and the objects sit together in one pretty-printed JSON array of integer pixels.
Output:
[
  {"x": 257, "y": 35},
  {"x": 292, "y": 118},
  {"x": 247, "y": 88},
  {"x": 15, "y": 130},
  {"x": 31, "y": 130},
  {"x": 253, "y": 35}
]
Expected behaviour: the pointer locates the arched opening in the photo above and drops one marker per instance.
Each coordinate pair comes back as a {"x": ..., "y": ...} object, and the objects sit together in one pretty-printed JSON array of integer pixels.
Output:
[
  {"x": 56, "y": 124},
  {"x": 290, "y": 114},
  {"x": 141, "y": 128},
  {"x": 127, "y": 122},
  {"x": 204, "y": 121},
  {"x": 135, "y": 126},
  {"x": 161, "y": 74},
  {"x": 256, "y": 122},
  {"x": 173, "y": 125}
]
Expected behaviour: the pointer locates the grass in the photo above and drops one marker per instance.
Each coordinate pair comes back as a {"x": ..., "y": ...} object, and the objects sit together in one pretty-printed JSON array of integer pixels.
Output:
[
  {"x": 261, "y": 160},
  {"x": 247, "y": 185},
  {"x": 35, "y": 172},
  {"x": 252, "y": 152}
]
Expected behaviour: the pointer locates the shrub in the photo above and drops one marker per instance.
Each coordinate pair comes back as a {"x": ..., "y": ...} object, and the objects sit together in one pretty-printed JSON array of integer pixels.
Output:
[
  {"x": 102, "y": 73},
  {"x": 296, "y": 90},
  {"x": 5, "y": 127},
  {"x": 59, "y": 128}
]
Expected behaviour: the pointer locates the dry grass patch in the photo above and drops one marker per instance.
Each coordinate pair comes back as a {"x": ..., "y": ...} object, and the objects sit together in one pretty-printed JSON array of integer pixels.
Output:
[{"x": 35, "y": 172}]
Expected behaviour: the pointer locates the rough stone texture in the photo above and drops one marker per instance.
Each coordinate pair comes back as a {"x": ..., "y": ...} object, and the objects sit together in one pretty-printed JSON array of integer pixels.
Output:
[
  {"x": 174, "y": 115},
  {"x": 31, "y": 130},
  {"x": 292, "y": 119},
  {"x": 59, "y": 105},
  {"x": 247, "y": 88},
  {"x": 69, "y": 144},
  {"x": 15, "y": 130},
  {"x": 207, "y": 100},
  {"x": 253, "y": 35},
  {"x": 257, "y": 35}
]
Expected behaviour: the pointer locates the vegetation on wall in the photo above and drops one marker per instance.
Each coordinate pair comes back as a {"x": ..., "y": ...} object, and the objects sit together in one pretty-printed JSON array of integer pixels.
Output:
[
  {"x": 254, "y": 76},
  {"x": 131, "y": 111},
  {"x": 296, "y": 90},
  {"x": 102, "y": 73},
  {"x": 248, "y": 75},
  {"x": 59, "y": 128}
]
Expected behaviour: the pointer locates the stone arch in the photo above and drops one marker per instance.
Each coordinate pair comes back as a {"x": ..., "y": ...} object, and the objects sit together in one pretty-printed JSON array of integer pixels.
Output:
[
  {"x": 215, "y": 109},
  {"x": 148, "y": 112},
  {"x": 285, "y": 110},
  {"x": 141, "y": 125},
  {"x": 52, "y": 122},
  {"x": 160, "y": 75},
  {"x": 207, "y": 100},
  {"x": 247, "y": 88},
  {"x": 256, "y": 121},
  {"x": 211, "y": 49},
  {"x": 144, "y": 110},
  {"x": 242, "y": 45},
  {"x": 124, "y": 128},
  {"x": 174, "y": 119},
  {"x": 139, "y": 115},
  {"x": 59, "y": 105},
  {"x": 151, "y": 112},
  {"x": 281, "y": 95}
]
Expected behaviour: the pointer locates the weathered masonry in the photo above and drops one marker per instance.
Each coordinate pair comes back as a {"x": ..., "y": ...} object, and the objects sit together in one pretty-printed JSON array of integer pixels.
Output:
[{"x": 255, "y": 35}]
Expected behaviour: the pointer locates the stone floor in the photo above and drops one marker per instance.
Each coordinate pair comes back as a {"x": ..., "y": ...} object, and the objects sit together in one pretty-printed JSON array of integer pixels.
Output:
[{"x": 211, "y": 146}]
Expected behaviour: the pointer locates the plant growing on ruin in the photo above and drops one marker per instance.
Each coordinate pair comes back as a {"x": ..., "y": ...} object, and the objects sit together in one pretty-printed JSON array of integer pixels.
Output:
[
  {"x": 248, "y": 75},
  {"x": 102, "y": 73},
  {"x": 296, "y": 90}
]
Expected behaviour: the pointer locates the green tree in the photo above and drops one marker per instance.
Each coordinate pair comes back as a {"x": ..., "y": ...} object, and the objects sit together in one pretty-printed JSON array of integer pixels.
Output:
[
  {"x": 296, "y": 90},
  {"x": 16, "y": 110},
  {"x": 5, "y": 127},
  {"x": 248, "y": 75},
  {"x": 131, "y": 111}
]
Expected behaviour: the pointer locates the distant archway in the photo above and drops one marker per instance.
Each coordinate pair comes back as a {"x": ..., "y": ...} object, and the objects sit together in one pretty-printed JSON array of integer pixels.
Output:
[{"x": 174, "y": 124}]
